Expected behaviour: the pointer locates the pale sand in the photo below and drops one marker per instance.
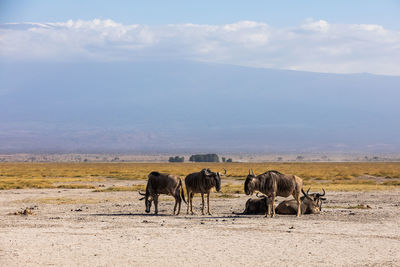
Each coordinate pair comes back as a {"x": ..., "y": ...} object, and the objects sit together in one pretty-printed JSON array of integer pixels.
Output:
[{"x": 113, "y": 230}]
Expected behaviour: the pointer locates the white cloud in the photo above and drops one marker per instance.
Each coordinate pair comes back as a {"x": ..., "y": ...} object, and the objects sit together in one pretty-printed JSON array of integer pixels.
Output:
[{"x": 311, "y": 46}]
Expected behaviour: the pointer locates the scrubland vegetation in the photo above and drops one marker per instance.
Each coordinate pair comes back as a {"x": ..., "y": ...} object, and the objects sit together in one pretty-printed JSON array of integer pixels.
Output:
[{"x": 332, "y": 176}]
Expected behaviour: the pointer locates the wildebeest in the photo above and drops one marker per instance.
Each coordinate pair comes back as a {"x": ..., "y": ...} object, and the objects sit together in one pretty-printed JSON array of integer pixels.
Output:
[
  {"x": 256, "y": 205},
  {"x": 202, "y": 182},
  {"x": 310, "y": 204},
  {"x": 163, "y": 183},
  {"x": 317, "y": 197},
  {"x": 273, "y": 184}
]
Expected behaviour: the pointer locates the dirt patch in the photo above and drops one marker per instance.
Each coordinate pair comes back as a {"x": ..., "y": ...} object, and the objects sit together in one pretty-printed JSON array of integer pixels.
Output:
[{"x": 26, "y": 211}]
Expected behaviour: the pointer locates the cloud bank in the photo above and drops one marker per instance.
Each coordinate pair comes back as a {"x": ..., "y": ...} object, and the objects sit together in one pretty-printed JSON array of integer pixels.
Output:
[{"x": 312, "y": 46}]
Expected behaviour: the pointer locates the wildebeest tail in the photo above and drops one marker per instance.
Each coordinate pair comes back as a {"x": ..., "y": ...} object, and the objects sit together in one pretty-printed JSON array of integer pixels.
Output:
[{"x": 181, "y": 191}]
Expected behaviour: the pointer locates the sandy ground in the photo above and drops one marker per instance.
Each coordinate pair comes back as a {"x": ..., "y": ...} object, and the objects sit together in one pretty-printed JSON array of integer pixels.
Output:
[{"x": 85, "y": 228}]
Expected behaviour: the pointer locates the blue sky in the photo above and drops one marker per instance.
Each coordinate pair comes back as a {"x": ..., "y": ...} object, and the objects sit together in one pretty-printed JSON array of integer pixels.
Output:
[
  {"x": 318, "y": 36},
  {"x": 282, "y": 13}
]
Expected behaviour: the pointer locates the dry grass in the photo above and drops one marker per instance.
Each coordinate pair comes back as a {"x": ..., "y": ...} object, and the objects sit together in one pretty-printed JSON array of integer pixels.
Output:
[
  {"x": 122, "y": 188},
  {"x": 332, "y": 176}
]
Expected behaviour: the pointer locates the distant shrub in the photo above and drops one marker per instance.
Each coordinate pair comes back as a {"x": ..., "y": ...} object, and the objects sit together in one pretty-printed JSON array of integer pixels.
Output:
[{"x": 176, "y": 159}]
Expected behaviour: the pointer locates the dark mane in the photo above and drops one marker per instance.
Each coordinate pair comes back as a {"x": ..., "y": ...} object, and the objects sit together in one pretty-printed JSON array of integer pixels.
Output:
[
  {"x": 272, "y": 171},
  {"x": 155, "y": 173}
]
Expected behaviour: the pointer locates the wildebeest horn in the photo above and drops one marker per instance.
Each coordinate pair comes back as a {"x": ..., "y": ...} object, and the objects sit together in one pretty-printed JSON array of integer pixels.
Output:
[
  {"x": 321, "y": 195},
  {"x": 305, "y": 194},
  {"x": 253, "y": 172},
  {"x": 324, "y": 192},
  {"x": 140, "y": 193},
  {"x": 224, "y": 170},
  {"x": 222, "y": 174},
  {"x": 308, "y": 190}
]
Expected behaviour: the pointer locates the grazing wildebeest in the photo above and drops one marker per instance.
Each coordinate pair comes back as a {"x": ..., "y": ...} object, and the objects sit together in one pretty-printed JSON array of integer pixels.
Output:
[
  {"x": 163, "y": 183},
  {"x": 310, "y": 204},
  {"x": 202, "y": 182},
  {"x": 273, "y": 184}
]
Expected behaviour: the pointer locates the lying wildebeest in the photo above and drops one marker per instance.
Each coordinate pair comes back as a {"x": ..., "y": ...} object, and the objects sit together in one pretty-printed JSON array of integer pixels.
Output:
[
  {"x": 202, "y": 182},
  {"x": 310, "y": 204},
  {"x": 256, "y": 205},
  {"x": 317, "y": 197},
  {"x": 163, "y": 183},
  {"x": 273, "y": 184}
]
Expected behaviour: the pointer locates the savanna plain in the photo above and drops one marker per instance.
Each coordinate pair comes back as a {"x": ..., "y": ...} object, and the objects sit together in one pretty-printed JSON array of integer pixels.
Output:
[{"x": 89, "y": 214}]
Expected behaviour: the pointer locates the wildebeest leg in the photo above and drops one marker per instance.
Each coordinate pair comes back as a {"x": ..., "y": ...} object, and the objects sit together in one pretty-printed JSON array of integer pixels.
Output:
[
  {"x": 268, "y": 211},
  {"x": 208, "y": 203},
  {"x": 188, "y": 202},
  {"x": 202, "y": 203},
  {"x": 176, "y": 202},
  {"x": 273, "y": 204},
  {"x": 191, "y": 203},
  {"x": 179, "y": 204},
  {"x": 155, "y": 199},
  {"x": 298, "y": 204}
]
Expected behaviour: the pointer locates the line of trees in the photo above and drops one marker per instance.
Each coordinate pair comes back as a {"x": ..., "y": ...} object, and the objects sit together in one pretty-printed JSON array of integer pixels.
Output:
[
  {"x": 204, "y": 158},
  {"x": 200, "y": 158}
]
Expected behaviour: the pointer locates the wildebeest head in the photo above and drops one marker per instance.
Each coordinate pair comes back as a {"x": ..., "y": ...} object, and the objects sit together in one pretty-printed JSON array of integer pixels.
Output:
[
  {"x": 312, "y": 204},
  {"x": 216, "y": 176},
  {"x": 147, "y": 200},
  {"x": 249, "y": 184},
  {"x": 317, "y": 197}
]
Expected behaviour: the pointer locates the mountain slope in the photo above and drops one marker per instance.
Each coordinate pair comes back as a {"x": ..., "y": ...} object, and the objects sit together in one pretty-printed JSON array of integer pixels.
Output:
[{"x": 175, "y": 106}]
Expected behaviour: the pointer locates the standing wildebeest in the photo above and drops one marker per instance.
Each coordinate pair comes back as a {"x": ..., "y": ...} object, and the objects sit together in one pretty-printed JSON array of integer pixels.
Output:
[
  {"x": 163, "y": 183},
  {"x": 273, "y": 184},
  {"x": 310, "y": 204},
  {"x": 202, "y": 182}
]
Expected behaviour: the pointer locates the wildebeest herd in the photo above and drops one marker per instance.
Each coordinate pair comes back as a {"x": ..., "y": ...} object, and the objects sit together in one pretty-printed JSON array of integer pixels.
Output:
[{"x": 270, "y": 183}]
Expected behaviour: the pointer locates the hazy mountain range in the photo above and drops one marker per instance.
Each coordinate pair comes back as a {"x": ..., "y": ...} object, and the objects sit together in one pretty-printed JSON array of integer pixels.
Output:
[{"x": 191, "y": 106}]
